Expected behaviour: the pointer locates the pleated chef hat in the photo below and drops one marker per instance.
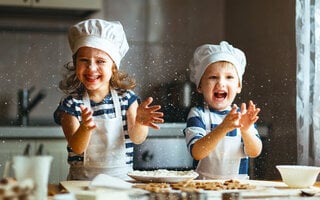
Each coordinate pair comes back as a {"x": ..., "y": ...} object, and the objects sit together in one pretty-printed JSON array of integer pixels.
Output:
[
  {"x": 107, "y": 36},
  {"x": 209, "y": 53}
]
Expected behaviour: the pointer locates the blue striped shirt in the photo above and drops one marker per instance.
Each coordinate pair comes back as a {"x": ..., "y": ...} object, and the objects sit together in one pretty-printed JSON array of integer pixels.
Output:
[
  {"x": 196, "y": 129},
  {"x": 105, "y": 110}
]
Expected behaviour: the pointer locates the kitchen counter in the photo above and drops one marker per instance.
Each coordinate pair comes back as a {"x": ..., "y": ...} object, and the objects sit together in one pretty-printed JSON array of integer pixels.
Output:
[
  {"x": 47, "y": 132},
  {"x": 176, "y": 130},
  {"x": 31, "y": 132},
  {"x": 166, "y": 130}
]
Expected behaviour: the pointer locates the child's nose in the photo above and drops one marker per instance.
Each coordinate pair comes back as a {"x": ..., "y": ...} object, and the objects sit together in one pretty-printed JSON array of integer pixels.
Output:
[
  {"x": 221, "y": 81},
  {"x": 92, "y": 65}
]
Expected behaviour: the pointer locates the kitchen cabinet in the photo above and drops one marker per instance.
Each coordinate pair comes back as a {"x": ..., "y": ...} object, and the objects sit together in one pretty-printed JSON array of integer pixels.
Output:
[
  {"x": 56, "y": 4},
  {"x": 10, "y": 148},
  {"x": 15, "y": 2},
  {"x": 55, "y": 147},
  {"x": 58, "y": 149},
  {"x": 49, "y": 8}
]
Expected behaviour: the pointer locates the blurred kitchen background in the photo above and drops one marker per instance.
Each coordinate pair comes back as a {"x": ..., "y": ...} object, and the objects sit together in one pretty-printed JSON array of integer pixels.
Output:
[{"x": 162, "y": 35}]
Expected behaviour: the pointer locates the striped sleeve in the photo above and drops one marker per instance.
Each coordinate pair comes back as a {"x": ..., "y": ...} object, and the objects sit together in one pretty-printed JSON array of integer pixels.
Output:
[
  {"x": 69, "y": 105},
  {"x": 195, "y": 129},
  {"x": 132, "y": 97}
]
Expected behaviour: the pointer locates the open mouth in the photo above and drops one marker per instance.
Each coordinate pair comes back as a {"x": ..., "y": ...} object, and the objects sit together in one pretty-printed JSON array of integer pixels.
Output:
[
  {"x": 220, "y": 95},
  {"x": 92, "y": 78}
]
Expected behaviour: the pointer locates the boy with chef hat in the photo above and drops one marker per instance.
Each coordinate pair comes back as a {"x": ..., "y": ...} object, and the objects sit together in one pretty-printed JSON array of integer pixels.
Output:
[
  {"x": 220, "y": 136},
  {"x": 100, "y": 116}
]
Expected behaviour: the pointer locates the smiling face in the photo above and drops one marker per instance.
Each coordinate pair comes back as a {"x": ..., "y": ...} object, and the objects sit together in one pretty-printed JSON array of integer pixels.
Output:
[
  {"x": 94, "y": 69},
  {"x": 219, "y": 85}
]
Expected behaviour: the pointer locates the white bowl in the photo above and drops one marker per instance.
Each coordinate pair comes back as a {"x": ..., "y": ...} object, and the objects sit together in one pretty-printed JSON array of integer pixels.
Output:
[{"x": 298, "y": 176}]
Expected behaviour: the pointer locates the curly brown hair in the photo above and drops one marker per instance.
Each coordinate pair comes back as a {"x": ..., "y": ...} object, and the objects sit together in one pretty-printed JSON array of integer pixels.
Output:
[{"x": 71, "y": 85}]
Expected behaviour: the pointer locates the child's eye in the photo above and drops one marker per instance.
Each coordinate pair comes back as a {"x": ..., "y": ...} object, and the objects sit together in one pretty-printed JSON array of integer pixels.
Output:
[
  {"x": 230, "y": 77},
  {"x": 84, "y": 60},
  {"x": 213, "y": 77},
  {"x": 101, "y": 61}
]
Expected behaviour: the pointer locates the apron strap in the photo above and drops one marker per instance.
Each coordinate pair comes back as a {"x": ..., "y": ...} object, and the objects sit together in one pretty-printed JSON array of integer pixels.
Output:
[
  {"x": 207, "y": 118},
  {"x": 86, "y": 101},
  {"x": 116, "y": 102}
]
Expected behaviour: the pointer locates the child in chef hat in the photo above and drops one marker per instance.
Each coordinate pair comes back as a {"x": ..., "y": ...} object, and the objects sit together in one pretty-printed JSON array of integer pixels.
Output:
[
  {"x": 219, "y": 135},
  {"x": 100, "y": 116}
]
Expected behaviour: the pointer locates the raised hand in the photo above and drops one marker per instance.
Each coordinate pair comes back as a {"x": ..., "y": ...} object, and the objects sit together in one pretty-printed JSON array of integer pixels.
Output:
[
  {"x": 248, "y": 116},
  {"x": 87, "y": 120},
  {"x": 232, "y": 120},
  {"x": 149, "y": 115}
]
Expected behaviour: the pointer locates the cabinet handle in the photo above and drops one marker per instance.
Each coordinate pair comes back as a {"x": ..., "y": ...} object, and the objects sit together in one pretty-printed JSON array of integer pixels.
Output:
[
  {"x": 26, "y": 151},
  {"x": 147, "y": 156},
  {"x": 40, "y": 150}
]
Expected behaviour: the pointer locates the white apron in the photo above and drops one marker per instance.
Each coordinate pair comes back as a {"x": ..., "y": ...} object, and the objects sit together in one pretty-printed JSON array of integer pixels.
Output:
[
  {"x": 106, "y": 152},
  {"x": 224, "y": 161}
]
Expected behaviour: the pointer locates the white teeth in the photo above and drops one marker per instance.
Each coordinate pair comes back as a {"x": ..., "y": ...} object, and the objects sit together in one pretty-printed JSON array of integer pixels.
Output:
[
  {"x": 220, "y": 94},
  {"x": 92, "y": 77}
]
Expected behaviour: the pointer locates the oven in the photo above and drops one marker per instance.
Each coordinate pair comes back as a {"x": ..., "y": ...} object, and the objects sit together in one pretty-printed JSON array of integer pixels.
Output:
[{"x": 163, "y": 149}]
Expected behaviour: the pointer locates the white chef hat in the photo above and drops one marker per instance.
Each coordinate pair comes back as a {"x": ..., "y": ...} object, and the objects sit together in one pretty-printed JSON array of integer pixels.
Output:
[
  {"x": 107, "y": 36},
  {"x": 209, "y": 53}
]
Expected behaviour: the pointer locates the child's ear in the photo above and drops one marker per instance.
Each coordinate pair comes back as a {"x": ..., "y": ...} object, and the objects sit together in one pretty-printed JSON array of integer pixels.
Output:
[
  {"x": 239, "y": 89},
  {"x": 114, "y": 67},
  {"x": 199, "y": 89}
]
